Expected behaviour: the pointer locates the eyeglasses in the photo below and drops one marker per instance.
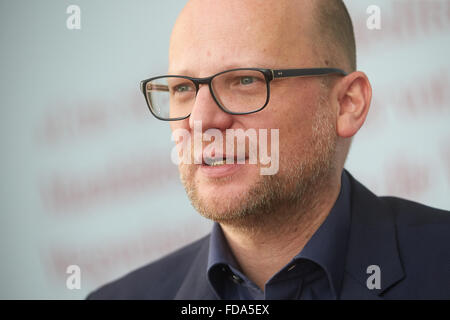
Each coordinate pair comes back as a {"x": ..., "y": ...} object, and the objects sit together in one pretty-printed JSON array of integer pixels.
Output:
[{"x": 237, "y": 91}]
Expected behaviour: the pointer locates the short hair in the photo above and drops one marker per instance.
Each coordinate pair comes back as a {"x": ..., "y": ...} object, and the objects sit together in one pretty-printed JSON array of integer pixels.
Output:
[{"x": 336, "y": 29}]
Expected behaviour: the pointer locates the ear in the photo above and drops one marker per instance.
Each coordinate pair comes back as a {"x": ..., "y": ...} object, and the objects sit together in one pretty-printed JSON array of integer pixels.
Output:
[{"x": 353, "y": 94}]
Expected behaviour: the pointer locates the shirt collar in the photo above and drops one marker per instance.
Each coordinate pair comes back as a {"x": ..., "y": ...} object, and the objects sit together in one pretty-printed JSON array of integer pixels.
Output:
[
  {"x": 327, "y": 247},
  {"x": 219, "y": 252}
]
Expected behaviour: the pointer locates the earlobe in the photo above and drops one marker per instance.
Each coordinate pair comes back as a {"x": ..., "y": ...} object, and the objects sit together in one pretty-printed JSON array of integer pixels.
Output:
[{"x": 354, "y": 94}]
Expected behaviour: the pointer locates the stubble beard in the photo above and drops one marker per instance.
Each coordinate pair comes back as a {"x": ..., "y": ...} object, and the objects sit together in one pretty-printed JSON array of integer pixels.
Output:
[{"x": 295, "y": 187}]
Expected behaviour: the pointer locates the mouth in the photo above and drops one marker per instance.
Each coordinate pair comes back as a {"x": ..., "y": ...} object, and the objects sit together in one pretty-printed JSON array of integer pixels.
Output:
[
  {"x": 217, "y": 166},
  {"x": 218, "y": 161}
]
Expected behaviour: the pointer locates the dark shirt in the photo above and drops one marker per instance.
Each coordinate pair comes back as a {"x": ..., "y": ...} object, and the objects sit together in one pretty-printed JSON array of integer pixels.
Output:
[{"x": 316, "y": 272}]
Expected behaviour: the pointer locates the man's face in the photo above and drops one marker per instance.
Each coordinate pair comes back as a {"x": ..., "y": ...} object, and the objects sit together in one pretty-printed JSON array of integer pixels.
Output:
[{"x": 213, "y": 36}]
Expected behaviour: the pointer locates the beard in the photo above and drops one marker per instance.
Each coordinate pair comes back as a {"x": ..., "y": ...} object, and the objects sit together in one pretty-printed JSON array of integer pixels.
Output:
[{"x": 296, "y": 186}]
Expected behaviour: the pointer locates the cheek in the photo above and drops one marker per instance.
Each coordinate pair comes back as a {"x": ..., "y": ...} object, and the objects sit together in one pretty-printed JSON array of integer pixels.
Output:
[{"x": 293, "y": 112}]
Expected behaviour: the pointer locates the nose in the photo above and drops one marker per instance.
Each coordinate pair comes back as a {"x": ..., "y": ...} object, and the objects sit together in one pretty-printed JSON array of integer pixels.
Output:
[{"x": 207, "y": 111}]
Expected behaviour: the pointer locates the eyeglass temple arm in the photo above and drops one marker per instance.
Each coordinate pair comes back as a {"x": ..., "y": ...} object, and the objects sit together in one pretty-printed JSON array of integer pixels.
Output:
[
  {"x": 154, "y": 87},
  {"x": 285, "y": 73}
]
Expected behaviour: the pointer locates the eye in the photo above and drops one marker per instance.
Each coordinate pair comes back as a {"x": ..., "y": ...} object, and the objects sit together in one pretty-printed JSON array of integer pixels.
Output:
[
  {"x": 247, "y": 80},
  {"x": 182, "y": 88}
]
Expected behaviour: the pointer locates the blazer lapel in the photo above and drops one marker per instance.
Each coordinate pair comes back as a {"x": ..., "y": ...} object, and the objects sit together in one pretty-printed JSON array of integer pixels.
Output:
[{"x": 372, "y": 242}]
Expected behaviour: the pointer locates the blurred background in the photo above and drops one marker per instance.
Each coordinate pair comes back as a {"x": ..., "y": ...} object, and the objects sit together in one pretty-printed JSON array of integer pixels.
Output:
[{"x": 86, "y": 176}]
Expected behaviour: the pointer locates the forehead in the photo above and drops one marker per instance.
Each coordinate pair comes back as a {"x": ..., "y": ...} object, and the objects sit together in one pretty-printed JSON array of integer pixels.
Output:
[{"x": 214, "y": 35}]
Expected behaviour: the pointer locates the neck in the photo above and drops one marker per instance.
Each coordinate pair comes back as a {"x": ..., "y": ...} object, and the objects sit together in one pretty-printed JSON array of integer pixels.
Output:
[{"x": 264, "y": 245}]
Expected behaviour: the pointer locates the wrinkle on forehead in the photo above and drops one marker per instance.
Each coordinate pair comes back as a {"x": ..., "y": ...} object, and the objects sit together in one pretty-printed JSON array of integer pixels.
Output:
[{"x": 218, "y": 28}]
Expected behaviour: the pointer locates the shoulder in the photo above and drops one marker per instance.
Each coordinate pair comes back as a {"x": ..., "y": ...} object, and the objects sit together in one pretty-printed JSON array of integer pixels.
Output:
[
  {"x": 404, "y": 212},
  {"x": 410, "y": 213},
  {"x": 157, "y": 280},
  {"x": 411, "y": 241},
  {"x": 422, "y": 231},
  {"x": 423, "y": 235}
]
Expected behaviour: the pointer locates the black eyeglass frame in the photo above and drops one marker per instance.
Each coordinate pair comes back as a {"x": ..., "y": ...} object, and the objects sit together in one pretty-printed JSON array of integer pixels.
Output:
[{"x": 269, "y": 75}]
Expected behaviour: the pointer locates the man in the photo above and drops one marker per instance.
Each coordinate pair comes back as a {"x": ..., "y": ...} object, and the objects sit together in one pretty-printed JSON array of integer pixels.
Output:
[{"x": 309, "y": 231}]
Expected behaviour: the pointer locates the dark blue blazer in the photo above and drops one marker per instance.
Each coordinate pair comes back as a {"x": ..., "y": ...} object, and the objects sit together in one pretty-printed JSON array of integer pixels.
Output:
[{"x": 410, "y": 243}]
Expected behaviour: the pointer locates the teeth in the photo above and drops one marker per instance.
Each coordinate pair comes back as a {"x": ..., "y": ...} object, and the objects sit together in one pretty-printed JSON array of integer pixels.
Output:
[{"x": 217, "y": 163}]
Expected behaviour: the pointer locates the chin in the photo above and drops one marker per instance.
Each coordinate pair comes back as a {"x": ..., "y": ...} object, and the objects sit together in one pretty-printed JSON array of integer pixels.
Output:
[
  {"x": 223, "y": 192},
  {"x": 218, "y": 198}
]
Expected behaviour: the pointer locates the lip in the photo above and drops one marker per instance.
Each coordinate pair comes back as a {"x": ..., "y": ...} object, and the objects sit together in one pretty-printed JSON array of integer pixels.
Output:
[
  {"x": 201, "y": 158},
  {"x": 220, "y": 171}
]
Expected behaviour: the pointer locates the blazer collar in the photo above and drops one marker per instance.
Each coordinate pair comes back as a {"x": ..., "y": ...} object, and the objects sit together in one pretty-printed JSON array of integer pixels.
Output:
[{"x": 373, "y": 240}]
